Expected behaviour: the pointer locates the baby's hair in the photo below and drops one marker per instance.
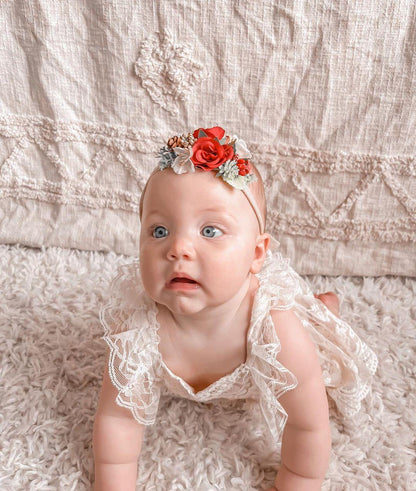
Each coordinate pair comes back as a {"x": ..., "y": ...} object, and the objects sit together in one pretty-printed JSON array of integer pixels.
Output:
[{"x": 256, "y": 187}]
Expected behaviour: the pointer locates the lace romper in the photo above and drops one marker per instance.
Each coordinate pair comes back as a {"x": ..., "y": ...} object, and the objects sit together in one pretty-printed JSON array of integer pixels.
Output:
[{"x": 137, "y": 369}]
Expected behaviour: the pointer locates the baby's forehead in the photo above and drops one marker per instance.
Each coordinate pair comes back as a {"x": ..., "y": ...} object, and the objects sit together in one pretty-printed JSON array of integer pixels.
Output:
[
  {"x": 194, "y": 193},
  {"x": 185, "y": 186},
  {"x": 200, "y": 190},
  {"x": 196, "y": 197}
]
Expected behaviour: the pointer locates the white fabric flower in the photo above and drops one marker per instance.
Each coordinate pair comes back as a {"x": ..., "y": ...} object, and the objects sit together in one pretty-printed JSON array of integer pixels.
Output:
[
  {"x": 238, "y": 182},
  {"x": 183, "y": 162},
  {"x": 241, "y": 148},
  {"x": 229, "y": 172}
]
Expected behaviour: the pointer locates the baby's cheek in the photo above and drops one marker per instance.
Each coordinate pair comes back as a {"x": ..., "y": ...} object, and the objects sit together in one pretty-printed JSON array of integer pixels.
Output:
[
  {"x": 229, "y": 274},
  {"x": 147, "y": 275}
]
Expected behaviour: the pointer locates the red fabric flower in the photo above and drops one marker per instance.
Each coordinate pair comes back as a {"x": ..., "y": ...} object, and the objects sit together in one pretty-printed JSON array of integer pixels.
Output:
[
  {"x": 208, "y": 154},
  {"x": 243, "y": 167},
  {"x": 215, "y": 132}
]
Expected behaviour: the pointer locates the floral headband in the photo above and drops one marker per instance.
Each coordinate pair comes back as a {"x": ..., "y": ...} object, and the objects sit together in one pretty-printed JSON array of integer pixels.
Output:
[{"x": 211, "y": 150}]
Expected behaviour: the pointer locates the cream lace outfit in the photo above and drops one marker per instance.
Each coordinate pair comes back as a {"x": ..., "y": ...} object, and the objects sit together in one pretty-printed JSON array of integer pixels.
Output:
[{"x": 138, "y": 372}]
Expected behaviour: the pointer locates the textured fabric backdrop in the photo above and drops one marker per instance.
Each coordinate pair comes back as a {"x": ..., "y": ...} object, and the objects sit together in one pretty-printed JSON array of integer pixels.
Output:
[{"x": 322, "y": 92}]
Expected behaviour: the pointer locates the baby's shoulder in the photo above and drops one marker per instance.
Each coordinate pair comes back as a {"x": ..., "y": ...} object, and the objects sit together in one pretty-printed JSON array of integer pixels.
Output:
[
  {"x": 298, "y": 352},
  {"x": 287, "y": 326}
]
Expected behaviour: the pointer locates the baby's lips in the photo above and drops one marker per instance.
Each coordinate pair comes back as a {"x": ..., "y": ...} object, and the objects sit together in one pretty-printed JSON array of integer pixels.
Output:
[
  {"x": 178, "y": 277},
  {"x": 182, "y": 280}
]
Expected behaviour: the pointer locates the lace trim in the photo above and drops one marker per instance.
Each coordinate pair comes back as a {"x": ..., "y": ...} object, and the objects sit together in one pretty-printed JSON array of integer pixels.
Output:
[
  {"x": 261, "y": 348},
  {"x": 214, "y": 390},
  {"x": 135, "y": 364},
  {"x": 131, "y": 331},
  {"x": 348, "y": 364},
  {"x": 271, "y": 377},
  {"x": 132, "y": 346}
]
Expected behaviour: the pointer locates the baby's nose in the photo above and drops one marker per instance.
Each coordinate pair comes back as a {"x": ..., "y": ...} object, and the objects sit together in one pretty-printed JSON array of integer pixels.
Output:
[{"x": 180, "y": 247}]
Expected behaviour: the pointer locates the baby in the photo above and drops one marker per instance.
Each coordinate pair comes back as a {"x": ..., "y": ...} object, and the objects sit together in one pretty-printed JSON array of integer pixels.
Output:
[{"x": 212, "y": 311}]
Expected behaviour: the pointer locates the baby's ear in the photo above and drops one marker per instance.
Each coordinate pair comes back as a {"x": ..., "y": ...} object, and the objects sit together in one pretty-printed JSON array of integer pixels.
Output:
[{"x": 262, "y": 244}]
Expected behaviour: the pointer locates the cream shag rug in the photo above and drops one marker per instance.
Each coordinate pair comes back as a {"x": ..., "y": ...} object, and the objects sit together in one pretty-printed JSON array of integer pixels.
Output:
[{"x": 52, "y": 359}]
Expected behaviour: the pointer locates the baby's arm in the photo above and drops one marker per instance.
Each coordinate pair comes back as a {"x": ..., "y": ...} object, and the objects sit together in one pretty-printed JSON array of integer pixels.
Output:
[
  {"x": 306, "y": 442},
  {"x": 117, "y": 440}
]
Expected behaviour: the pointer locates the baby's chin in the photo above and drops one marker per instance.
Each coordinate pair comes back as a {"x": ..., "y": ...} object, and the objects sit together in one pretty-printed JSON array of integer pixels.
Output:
[
  {"x": 176, "y": 303},
  {"x": 183, "y": 306}
]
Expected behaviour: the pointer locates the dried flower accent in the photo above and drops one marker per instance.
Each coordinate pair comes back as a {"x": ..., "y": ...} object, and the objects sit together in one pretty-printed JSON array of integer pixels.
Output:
[{"x": 209, "y": 149}]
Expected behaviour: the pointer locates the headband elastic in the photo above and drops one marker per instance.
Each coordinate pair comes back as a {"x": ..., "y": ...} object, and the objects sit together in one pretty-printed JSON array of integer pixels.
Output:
[{"x": 252, "y": 201}]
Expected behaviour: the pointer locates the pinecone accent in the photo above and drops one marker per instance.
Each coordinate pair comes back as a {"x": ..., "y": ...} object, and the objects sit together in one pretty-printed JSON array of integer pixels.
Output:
[
  {"x": 189, "y": 139},
  {"x": 174, "y": 142},
  {"x": 183, "y": 141}
]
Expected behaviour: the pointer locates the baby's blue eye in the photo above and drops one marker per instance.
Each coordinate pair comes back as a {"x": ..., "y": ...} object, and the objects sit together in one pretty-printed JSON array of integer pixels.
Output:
[
  {"x": 211, "y": 231},
  {"x": 159, "y": 232}
]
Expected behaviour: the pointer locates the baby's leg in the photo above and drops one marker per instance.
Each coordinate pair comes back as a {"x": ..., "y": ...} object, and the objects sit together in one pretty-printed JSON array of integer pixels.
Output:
[{"x": 331, "y": 300}]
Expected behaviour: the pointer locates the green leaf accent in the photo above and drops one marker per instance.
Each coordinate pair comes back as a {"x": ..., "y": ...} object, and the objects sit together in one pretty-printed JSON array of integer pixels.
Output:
[{"x": 167, "y": 156}]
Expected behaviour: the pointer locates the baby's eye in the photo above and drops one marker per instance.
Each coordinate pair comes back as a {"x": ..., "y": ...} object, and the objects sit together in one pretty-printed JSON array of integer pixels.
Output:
[
  {"x": 159, "y": 232},
  {"x": 211, "y": 231}
]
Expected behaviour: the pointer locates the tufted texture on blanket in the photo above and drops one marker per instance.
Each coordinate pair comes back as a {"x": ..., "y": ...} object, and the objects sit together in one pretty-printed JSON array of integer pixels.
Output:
[{"x": 52, "y": 357}]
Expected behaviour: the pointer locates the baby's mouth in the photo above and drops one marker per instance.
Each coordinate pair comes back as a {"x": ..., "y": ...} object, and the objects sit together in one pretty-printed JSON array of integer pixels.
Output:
[{"x": 182, "y": 281}]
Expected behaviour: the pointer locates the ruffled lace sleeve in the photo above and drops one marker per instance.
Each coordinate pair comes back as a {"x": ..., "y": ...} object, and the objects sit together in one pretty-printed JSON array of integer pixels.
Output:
[
  {"x": 133, "y": 357},
  {"x": 348, "y": 364},
  {"x": 278, "y": 286}
]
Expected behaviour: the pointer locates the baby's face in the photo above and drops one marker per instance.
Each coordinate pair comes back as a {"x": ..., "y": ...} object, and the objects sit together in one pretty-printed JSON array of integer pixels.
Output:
[{"x": 196, "y": 227}]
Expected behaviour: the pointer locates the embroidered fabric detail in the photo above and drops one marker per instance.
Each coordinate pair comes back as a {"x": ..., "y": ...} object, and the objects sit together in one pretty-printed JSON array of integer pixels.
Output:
[
  {"x": 138, "y": 371},
  {"x": 168, "y": 70},
  {"x": 41, "y": 141},
  {"x": 293, "y": 164},
  {"x": 40, "y": 133}
]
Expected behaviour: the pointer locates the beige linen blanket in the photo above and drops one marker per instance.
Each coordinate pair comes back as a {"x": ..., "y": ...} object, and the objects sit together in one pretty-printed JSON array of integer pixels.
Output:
[{"x": 322, "y": 92}]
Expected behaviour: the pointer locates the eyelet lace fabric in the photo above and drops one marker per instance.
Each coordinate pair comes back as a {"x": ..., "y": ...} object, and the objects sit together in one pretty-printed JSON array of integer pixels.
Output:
[{"x": 137, "y": 369}]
